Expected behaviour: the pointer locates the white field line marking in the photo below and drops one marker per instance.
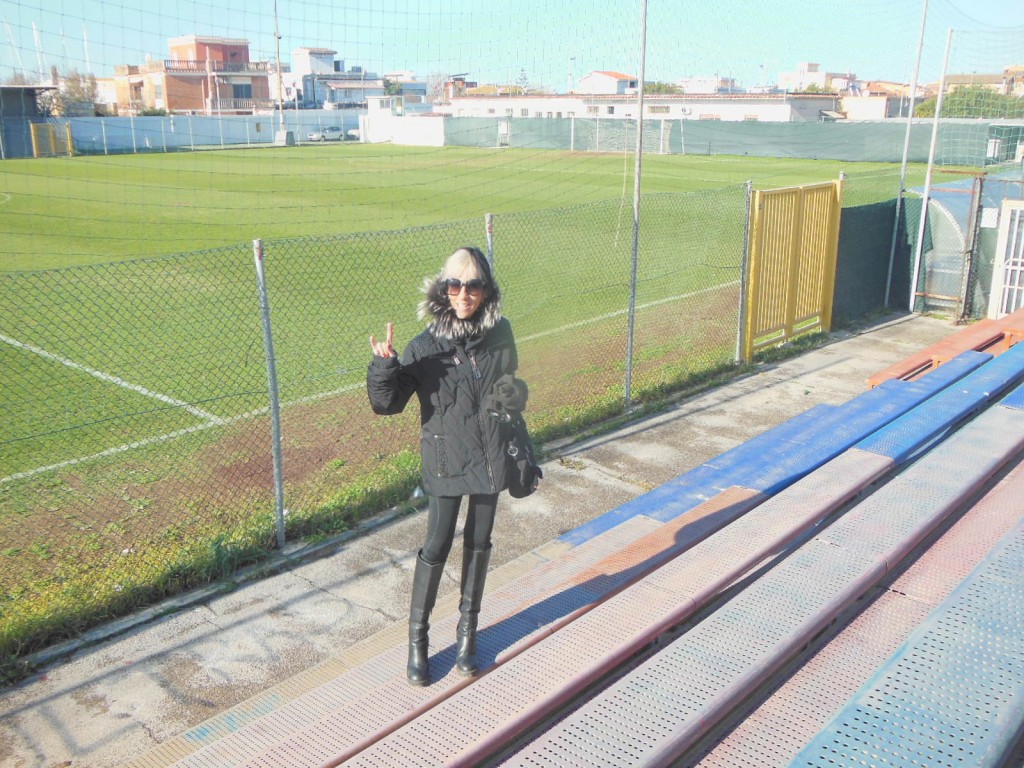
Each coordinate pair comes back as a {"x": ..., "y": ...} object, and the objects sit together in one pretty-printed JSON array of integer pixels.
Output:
[
  {"x": 112, "y": 379},
  {"x": 172, "y": 435},
  {"x": 620, "y": 312},
  {"x": 318, "y": 396},
  {"x": 6, "y": 198}
]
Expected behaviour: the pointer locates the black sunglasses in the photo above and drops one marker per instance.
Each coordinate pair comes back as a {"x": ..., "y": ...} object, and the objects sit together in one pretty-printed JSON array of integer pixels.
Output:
[{"x": 454, "y": 286}]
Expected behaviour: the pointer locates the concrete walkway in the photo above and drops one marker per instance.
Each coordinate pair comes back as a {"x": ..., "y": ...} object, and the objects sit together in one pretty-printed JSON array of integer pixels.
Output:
[{"x": 115, "y": 700}]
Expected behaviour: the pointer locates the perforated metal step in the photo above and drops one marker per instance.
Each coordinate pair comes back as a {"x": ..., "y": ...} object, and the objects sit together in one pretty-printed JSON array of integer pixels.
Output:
[
  {"x": 661, "y": 709},
  {"x": 483, "y": 717},
  {"x": 953, "y": 694},
  {"x": 374, "y": 695},
  {"x": 771, "y": 730}
]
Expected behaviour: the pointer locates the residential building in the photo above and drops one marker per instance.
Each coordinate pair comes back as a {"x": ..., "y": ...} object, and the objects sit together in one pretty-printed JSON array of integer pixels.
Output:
[
  {"x": 495, "y": 90},
  {"x": 880, "y": 99},
  {"x": 455, "y": 85},
  {"x": 713, "y": 84},
  {"x": 306, "y": 66},
  {"x": 320, "y": 80},
  {"x": 605, "y": 82},
  {"x": 780, "y": 107},
  {"x": 997, "y": 82},
  {"x": 412, "y": 89},
  {"x": 809, "y": 75},
  {"x": 346, "y": 89},
  {"x": 204, "y": 75},
  {"x": 1014, "y": 78}
]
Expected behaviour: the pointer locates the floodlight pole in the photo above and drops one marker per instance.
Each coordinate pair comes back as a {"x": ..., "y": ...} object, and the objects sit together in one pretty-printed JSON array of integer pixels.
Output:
[
  {"x": 280, "y": 81},
  {"x": 918, "y": 252},
  {"x": 636, "y": 204},
  {"x": 906, "y": 153}
]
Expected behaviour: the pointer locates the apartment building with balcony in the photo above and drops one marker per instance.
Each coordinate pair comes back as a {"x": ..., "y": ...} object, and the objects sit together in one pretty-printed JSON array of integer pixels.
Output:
[{"x": 204, "y": 75}]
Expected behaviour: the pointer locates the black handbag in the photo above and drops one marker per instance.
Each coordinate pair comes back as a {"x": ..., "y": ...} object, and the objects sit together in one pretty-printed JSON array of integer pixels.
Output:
[
  {"x": 524, "y": 475},
  {"x": 505, "y": 404}
]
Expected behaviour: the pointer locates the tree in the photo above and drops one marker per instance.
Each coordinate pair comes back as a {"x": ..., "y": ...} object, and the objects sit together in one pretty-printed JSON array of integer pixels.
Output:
[
  {"x": 523, "y": 82},
  {"x": 73, "y": 88},
  {"x": 18, "y": 78},
  {"x": 657, "y": 87},
  {"x": 79, "y": 88},
  {"x": 973, "y": 101},
  {"x": 435, "y": 87},
  {"x": 391, "y": 88}
]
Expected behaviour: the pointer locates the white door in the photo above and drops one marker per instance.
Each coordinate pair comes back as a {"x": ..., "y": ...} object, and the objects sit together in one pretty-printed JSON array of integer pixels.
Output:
[{"x": 1007, "y": 293}]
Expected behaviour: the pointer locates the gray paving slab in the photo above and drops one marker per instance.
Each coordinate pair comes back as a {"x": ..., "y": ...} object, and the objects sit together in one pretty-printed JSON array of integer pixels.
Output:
[{"x": 114, "y": 700}]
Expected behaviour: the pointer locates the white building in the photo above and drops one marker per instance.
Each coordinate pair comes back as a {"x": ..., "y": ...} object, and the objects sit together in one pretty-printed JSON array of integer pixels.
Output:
[
  {"x": 605, "y": 82},
  {"x": 809, "y": 74},
  {"x": 872, "y": 107},
  {"x": 712, "y": 84},
  {"x": 305, "y": 62},
  {"x": 316, "y": 61},
  {"x": 348, "y": 89},
  {"x": 413, "y": 88},
  {"x": 768, "y": 107}
]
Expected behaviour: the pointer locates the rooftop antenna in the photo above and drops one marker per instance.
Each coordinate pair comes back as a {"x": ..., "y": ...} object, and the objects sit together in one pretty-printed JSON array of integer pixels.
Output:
[{"x": 280, "y": 82}]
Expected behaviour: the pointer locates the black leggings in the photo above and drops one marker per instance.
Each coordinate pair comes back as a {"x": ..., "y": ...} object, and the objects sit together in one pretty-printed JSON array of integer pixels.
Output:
[{"x": 443, "y": 514}]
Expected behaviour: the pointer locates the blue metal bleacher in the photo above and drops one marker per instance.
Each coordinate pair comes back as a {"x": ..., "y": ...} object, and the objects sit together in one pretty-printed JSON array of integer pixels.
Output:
[
  {"x": 666, "y": 705},
  {"x": 953, "y": 694},
  {"x": 820, "y": 510}
]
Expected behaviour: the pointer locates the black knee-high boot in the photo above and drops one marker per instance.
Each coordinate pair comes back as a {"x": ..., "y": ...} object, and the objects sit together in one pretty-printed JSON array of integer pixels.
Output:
[
  {"x": 474, "y": 574},
  {"x": 425, "y": 582}
]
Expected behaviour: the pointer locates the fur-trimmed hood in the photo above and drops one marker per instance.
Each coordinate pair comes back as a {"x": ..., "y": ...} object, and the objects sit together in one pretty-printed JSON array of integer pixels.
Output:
[{"x": 445, "y": 324}]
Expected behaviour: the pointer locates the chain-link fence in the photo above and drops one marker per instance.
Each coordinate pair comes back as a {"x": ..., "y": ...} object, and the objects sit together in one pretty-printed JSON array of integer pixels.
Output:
[
  {"x": 959, "y": 240},
  {"x": 138, "y": 456},
  {"x": 135, "y": 433},
  {"x": 873, "y": 263}
]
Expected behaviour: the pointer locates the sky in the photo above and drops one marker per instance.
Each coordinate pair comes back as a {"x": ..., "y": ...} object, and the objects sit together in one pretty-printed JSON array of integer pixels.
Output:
[{"x": 547, "y": 43}]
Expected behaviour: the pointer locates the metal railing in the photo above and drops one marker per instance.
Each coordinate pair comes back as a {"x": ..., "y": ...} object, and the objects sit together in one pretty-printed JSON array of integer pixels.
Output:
[{"x": 202, "y": 67}]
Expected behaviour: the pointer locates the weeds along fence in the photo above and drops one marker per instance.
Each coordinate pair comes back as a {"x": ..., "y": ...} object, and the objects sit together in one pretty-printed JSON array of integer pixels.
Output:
[{"x": 137, "y": 456}]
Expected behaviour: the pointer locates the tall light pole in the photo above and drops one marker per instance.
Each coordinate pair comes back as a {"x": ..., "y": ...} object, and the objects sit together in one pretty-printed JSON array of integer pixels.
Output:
[
  {"x": 636, "y": 203},
  {"x": 900, "y": 197},
  {"x": 280, "y": 82}
]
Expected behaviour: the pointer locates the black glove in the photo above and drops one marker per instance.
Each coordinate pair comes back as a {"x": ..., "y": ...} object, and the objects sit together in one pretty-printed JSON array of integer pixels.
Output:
[{"x": 511, "y": 393}]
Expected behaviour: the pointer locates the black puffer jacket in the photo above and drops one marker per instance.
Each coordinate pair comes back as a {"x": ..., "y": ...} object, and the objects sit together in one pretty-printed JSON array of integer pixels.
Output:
[{"x": 452, "y": 366}]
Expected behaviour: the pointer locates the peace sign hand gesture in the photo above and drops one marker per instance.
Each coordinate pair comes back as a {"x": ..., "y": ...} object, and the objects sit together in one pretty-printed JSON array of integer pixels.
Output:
[{"x": 384, "y": 348}]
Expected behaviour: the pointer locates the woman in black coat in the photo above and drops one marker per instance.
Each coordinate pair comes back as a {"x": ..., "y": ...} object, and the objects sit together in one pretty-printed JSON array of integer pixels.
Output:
[{"x": 460, "y": 368}]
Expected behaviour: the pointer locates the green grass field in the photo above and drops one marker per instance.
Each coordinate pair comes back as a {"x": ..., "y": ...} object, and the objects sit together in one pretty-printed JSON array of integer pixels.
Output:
[
  {"x": 84, "y": 210},
  {"x": 144, "y": 380}
]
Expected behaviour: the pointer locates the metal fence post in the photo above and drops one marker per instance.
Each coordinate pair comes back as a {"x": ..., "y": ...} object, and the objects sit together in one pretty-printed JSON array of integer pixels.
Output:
[
  {"x": 744, "y": 263},
  {"x": 637, "y": 181},
  {"x": 489, "y": 231},
  {"x": 275, "y": 402}
]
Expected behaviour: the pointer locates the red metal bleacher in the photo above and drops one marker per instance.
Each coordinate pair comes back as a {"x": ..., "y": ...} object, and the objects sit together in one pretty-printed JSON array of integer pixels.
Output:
[{"x": 993, "y": 336}]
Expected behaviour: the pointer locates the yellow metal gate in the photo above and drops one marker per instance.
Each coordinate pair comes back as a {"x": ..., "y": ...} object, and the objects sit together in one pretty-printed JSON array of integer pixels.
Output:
[
  {"x": 51, "y": 140},
  {"x": 791, "y": 264}
]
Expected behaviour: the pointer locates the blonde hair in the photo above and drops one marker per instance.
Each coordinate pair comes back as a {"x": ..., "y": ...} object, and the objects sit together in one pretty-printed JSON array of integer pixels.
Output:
[{"x": 462, "y": 262}]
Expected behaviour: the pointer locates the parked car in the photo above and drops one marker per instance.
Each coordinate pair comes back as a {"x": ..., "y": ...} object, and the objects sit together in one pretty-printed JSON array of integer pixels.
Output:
[{"x": 329, "y": 133}]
